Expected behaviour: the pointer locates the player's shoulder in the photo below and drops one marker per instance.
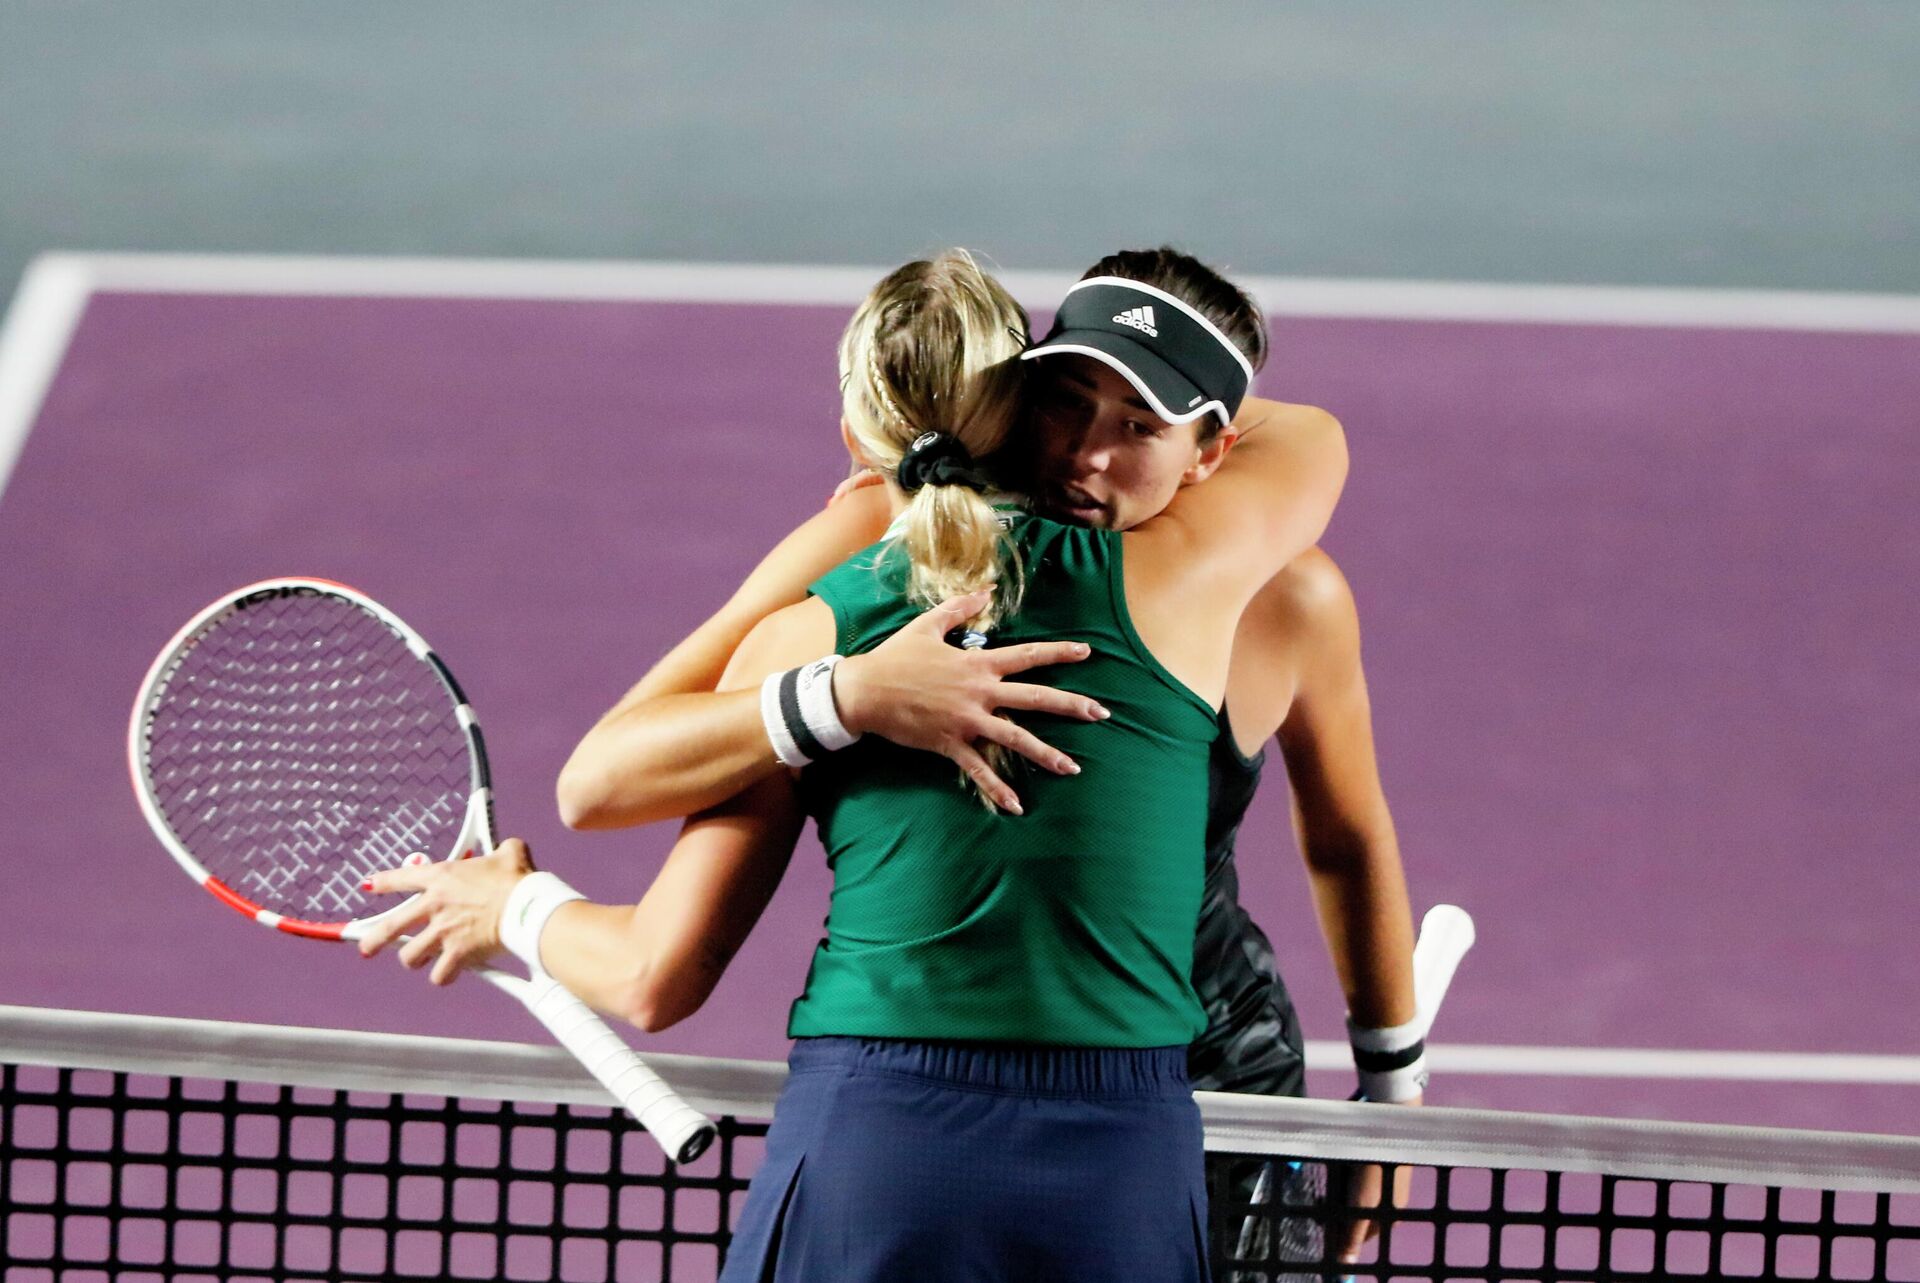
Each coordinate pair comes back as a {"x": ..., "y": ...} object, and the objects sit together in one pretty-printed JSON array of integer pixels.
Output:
[
  {"x": 1306, "y": 611},
  {"x": 1310, "y": 593}
]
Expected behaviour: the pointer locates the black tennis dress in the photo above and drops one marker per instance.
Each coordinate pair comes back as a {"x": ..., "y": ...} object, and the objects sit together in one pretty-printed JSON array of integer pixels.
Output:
[{"x": 1252, "y": 1039}]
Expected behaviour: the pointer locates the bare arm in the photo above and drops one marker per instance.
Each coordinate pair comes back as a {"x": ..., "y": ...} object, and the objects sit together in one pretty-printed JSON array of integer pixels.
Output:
[
  {"x": 673, "y": 746},
  {"x": 1296, "y": 667},
  {"x": 652, "y": 963},
  {"x": 1268, "y": 501},
  {"x": 656, "y": 963},
  {"x": 1282, "y": 479},
  {"x": 1340, "y": 812},
  {"x": 670, "y": 747}
]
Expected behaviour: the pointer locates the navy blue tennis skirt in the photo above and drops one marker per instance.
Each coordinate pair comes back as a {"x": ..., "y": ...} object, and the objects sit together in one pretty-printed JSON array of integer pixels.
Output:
[{"x": 931, "y": 1162}]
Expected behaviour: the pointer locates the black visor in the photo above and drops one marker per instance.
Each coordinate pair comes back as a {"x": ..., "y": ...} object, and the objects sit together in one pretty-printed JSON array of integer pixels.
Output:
[{"x": 1174, "y": 357}]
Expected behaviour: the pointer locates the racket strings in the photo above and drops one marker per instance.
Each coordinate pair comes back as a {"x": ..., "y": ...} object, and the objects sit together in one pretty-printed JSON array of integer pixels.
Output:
[{"x": 298, "y": 745}]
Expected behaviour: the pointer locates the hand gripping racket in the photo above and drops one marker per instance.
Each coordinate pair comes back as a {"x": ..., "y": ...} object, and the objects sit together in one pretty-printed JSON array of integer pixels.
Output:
[
  {"x": 296, "y": 737},
  {"x": 1446, "y": 933}
]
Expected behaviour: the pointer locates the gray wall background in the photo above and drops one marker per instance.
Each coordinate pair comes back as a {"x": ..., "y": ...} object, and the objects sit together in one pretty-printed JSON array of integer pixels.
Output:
[{"x": 1762, "y": 143}]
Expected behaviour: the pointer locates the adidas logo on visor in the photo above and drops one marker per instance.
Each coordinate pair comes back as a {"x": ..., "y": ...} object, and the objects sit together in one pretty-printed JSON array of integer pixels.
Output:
[{"x": 1140, "y": 318}]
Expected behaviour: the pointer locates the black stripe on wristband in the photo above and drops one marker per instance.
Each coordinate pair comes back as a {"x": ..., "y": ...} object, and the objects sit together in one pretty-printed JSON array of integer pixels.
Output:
[
  {"x": 1385, "y": 1062},
  {"x": 803, "y": 737}
]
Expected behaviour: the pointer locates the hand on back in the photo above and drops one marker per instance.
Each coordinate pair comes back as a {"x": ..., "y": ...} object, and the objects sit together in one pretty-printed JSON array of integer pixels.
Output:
[{"x": 920, "y": 692}]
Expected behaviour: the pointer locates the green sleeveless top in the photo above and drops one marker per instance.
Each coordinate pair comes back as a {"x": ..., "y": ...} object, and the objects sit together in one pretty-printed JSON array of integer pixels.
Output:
[{"x": 1072, "y": 925}]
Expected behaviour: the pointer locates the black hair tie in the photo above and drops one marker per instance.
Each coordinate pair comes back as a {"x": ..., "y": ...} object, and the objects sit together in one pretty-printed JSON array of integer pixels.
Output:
[{"x": 938, "y": 459}]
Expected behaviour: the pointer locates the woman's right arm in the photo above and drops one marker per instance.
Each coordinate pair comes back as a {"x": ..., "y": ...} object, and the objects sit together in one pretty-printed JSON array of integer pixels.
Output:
[
  {"x": 671, "y": 747},
  {"x": 652, "y": 963},
  {"x": 1269, "y": 500},
  {"x": 1192, "y": 569}
]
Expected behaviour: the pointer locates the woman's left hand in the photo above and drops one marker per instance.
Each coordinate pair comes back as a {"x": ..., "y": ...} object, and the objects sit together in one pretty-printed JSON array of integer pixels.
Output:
[{"x": 455, "y": 917}]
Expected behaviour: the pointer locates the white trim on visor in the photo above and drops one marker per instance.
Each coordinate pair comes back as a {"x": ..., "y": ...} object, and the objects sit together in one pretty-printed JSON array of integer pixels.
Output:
[
  {"x": 1215, "y": 406},
  {"x": 1183, "y": 305}
]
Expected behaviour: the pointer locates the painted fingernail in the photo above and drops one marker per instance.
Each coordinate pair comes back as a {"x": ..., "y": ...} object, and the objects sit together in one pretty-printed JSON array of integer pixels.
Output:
[{"x": 367, "y": 885}]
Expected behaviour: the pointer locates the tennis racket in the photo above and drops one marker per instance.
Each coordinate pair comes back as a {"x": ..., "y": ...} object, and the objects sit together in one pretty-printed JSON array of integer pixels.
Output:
[
  {"x": 296, "y": 737},
  {"x": 1289, "y": 1231}
]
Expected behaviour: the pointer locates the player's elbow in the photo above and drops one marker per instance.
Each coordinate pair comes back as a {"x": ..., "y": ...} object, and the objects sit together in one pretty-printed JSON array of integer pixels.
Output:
[
  {"x": 1337, "y": 445},
  {"x": 591, "y": 797},
  {"x": 1330, "y": 452},
  {"x": 654, "y": 998},
  {"x": 659, "y": 988},
  {"x": 581, "y": 797},
  {"x": 652, "y": 1019}
]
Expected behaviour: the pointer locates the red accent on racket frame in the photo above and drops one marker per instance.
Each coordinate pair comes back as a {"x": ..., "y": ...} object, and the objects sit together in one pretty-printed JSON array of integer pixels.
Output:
[
  {"x": 292, "y": 926},
  {"x": 231, "y": 898},
  {"x": 311, "y": 930}
]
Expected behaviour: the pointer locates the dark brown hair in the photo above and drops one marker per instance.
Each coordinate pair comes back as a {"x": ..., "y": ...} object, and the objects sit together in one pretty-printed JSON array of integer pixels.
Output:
[{"x": 1185, "y": 277}]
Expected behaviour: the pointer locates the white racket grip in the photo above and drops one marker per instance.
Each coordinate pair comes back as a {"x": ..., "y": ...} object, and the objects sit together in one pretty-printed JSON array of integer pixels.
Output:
[
  {"x": 683, "y": 1131},
  {"x": 1446, "y": 933}
]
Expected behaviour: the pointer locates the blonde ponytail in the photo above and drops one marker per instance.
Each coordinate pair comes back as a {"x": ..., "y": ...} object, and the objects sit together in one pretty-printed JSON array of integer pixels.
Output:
[
  {"x": 934, "y": 349},
  {"x": 956, "y": 543}
]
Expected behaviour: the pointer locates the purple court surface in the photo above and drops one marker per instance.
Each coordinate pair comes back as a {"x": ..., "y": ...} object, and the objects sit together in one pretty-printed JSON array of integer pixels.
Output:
[{"x": 1638, "y": 602}]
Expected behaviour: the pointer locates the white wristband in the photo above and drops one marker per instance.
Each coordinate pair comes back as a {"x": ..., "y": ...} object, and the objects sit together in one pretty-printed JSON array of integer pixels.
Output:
[
  {"x": 798, "y": 711},
  {"x": 1391, "y": 1038},
  {"x": 529, "y": 905},
  {"x": 1392, "y": 1062},
  {"x": 783, "y": 746},
  {"x": 815, "y": 683},
  {"x": 1395, "y": 1085}
]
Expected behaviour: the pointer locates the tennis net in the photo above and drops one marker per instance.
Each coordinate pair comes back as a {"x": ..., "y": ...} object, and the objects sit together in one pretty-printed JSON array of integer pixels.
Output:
[{"x": 136, "y": 1148}]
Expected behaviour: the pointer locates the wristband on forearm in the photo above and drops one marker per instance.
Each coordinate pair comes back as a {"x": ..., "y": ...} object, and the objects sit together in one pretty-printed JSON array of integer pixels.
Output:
[
  {"x": 529, "y": 905},
  {"x": 1392, "y": 1062},
  {"x": 800, "y": 715}
]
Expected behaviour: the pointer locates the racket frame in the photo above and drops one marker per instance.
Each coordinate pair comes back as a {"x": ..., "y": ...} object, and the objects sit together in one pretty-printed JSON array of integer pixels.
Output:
[
  {"x": 476, "y": 830},
  {"x": 682, "y": 1131}
]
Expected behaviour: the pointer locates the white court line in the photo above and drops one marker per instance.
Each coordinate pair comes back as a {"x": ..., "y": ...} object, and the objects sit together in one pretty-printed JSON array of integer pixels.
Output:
[
  {"x": 1635, "y": 1062},
  {"x": 846, "y": 286},
  {"x": 56, "y": 286},
  {"x": 33, "y": 343}
]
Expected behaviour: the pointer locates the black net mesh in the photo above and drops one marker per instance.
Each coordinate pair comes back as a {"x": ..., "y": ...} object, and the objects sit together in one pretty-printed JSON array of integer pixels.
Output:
[
  {"x": 107, "y": 1175},
  {"x": 1489, "y": 1223},
  {"x": 115, "y": 1173},
  {"x": 298, "y": 745}
]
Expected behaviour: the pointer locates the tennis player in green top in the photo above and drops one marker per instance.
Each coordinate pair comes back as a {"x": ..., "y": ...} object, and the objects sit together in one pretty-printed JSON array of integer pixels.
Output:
[
  {"x": 1002, "y": 1005},
  {"x": 1101, "y": 456}
]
